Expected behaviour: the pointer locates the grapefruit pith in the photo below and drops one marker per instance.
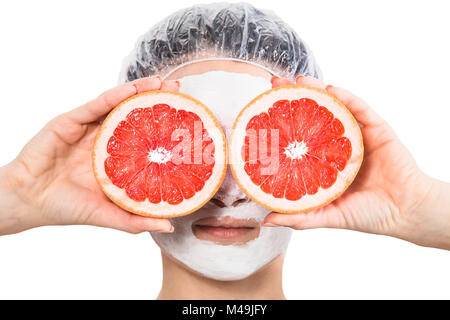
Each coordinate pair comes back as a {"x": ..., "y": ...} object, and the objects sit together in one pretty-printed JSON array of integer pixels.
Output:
[
  {"x": 160, "y": 154},
  {"x": 295, "y": 148}
]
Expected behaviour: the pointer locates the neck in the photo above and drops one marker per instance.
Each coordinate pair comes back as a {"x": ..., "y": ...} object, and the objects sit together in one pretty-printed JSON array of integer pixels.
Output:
[{"x": 180, "y": 283}]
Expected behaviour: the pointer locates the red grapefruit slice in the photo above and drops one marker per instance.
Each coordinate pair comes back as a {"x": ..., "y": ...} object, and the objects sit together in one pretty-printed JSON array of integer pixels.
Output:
[
  {"x": 295, "y": 149},
  {"x": 160, "y": 154}
]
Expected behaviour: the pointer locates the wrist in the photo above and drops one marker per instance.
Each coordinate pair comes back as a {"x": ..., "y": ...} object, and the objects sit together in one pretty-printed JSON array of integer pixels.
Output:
[
  {"x": 427, "y": 223},
  {"x": 16, "y": 212}
]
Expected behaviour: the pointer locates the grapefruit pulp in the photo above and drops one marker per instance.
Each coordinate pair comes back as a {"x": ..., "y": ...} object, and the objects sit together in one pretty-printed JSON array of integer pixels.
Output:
[
  {"x": 160, "y": 154},
  {"x": 294, "y": 149}
]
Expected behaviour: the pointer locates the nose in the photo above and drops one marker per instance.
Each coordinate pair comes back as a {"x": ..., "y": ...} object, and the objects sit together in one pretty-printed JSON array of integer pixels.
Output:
[{"x": 229, "y": 193}]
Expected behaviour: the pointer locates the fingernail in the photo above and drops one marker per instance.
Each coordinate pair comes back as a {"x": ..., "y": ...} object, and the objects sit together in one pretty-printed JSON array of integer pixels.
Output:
[
  {"x": 273, "y": 78},
  {"x": 329, "y": 86},
  {"x": 157, "y": 77},
  {"x": 167, "y": 230},
  {"x": 268, "y": 224},
  {"x": 299, "y": 77},
  {"x": 174, "y": 81},
  {"x": 133, "y": 88}
]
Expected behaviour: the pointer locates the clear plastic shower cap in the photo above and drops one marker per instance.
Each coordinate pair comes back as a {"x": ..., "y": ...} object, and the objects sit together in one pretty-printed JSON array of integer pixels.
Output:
[{"x": 236, "y": 31}]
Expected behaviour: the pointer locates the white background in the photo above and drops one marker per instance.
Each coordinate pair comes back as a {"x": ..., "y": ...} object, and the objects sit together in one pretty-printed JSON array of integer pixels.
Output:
[{"x": 56, "y": 55}]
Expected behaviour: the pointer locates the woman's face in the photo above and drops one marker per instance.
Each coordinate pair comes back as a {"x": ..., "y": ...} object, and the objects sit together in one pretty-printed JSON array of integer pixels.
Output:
[{"x": 224, "y": 240}]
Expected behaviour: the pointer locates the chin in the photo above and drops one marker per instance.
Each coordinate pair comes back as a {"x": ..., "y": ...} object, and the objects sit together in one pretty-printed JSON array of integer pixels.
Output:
[
  {"x": 225, "y": 277},
  {"x": 224, "y": 244}
]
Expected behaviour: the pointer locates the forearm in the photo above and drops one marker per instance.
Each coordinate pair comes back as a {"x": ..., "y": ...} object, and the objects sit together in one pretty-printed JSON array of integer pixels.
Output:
[
  {"x": 429, "y": 224},
  {"x": 16, "y": 214}
]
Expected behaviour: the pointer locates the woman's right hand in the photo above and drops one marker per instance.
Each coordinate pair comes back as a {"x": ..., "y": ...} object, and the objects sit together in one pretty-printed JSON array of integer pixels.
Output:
[
  {"x": 390, "y": 195},
  {"x": 51, "y": 182}
]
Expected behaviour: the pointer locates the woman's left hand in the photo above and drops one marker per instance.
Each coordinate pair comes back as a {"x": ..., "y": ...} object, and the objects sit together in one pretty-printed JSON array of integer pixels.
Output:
[{"x": 390, "y": 195}]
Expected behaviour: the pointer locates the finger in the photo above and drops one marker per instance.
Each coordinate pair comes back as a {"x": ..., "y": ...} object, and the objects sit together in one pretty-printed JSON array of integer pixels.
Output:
[
  {"x": 170, "y": 85},
  {"x": 278, "y": 82},
  {"x": 147, "y": 84},
  {"x": 326, "y": 217},
  {"x": 310, "y": 82},
  {"x": 358, "y": 107},
  {"x": 111, "y": 216},
  {"x": 95, "y": 109}
]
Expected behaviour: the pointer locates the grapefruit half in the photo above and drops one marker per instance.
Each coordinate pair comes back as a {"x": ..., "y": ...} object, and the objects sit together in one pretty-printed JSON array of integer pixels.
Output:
[
  {"x": 160, "y": 154},
  {"x": 295, "y": 148}
]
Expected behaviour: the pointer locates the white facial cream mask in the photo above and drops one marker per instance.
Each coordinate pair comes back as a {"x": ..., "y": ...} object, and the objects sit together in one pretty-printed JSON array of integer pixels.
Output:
[{"x": 225, "y": 93}]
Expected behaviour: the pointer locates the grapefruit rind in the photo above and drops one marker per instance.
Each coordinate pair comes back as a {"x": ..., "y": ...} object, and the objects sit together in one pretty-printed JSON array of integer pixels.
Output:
[
  {"x": 308, "y": 202},
  {"x": 162, "y": 209}
]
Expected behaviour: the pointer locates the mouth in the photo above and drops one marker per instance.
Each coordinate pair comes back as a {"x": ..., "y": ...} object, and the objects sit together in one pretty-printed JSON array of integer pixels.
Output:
[{"x": 226, "y": 230}]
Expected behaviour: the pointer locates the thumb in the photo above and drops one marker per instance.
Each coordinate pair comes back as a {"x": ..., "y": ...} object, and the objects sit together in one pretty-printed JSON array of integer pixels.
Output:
[
  {"x": 326, "y": 217},
  {"x": 102, "y": 105},
  {"x": 111, "y": 216}
]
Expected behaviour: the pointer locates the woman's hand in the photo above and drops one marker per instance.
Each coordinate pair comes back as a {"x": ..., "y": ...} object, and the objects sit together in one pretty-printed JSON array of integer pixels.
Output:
[
  {"x": 51, "y": 181},
  {"x": 390, "y": 194}
]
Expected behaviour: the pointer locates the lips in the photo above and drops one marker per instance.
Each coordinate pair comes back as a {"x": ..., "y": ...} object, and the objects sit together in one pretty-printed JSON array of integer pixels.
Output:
[{"x": 226, "y": 230}]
